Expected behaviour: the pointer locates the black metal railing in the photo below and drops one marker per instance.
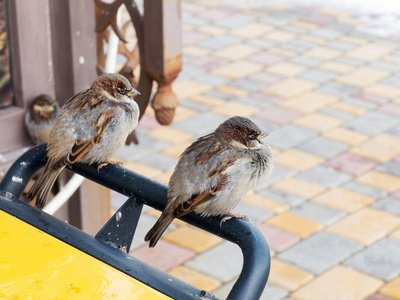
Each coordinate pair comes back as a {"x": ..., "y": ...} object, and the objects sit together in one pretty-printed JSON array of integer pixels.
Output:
[{"x": 119, "y": 230}]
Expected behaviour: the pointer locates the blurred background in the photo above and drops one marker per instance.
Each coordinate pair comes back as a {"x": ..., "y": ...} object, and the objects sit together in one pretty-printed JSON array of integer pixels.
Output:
[{"x": 323, "y": 79}]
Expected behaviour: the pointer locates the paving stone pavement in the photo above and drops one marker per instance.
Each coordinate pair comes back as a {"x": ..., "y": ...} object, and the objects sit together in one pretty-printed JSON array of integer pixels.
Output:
[{"x": 330, "y": 96}]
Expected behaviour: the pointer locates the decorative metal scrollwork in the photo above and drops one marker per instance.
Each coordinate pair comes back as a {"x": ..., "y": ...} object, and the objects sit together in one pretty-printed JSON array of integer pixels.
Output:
[{"x": 150, "y": 59}]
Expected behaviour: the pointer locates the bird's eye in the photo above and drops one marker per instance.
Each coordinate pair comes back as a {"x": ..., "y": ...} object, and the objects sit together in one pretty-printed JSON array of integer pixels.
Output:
[
  {"x": 253, "y": 136},
  {"x": 122, "y": 91}
]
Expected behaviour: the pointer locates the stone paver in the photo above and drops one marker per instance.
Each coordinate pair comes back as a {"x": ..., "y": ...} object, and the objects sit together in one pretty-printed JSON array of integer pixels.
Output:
[
  {"x": 383, "y": 264},
  {"x": 346, "y": 136},
  {"x": 317, "y": 212},
  {"x": 364, "y": 189},
  {"x": 352, "y": 164},
  {"x": 342, "y": 199},
  {"x": 194, "y": 278},
  {"x": 325, "y": 176},
  {"x": 367, "y": 226},
  {"x": 381, "y": 148},
  {"x": 291, "y": 87},
  {"x": 294, "y": 135},
  {"x": 282, "y": 196},
  {"x": 299, "y": 187},
  {"x": 295, "y": 224},
  {"x": 319, "y": 252},
  {"x": 273, "y": 292},
  {"x": 192, "y": 238},
  {"x": 327, "y": 89},
  {"x": 319, "y": 76},
  {"x": 380, "y": 180},
  {"x": 217, "y": 264},
  {"x": 323, "y": 147},
  {"x": 373, "y": 123},
  {"x": 391, "y": 290},
  {"x": 317, "y": 121},
  {"x": 389, "y": 205},
  {"x": 200, "y": 124},
  {"x": 337, "y": 89},
  {"x": 339, "y": 283},
  {"x": 298, "y": 160},
  {"x": 278, "y": 239},
  {"x": 269, "y": 204},
  {"x": 309, "y": 102},
  {"x": 390, "y": 167},
  {"x": 165, "y": 256},
  {"x": 277, "y": 115},
  {"x": 288, "y": 276},
  {"x": 379, "y": 297}
]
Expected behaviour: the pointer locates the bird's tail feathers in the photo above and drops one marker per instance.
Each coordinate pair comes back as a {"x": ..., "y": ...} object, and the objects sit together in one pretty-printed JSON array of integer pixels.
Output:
[
  {"x": 40, "y": 190},
  {"x": 158, "y": 229}
]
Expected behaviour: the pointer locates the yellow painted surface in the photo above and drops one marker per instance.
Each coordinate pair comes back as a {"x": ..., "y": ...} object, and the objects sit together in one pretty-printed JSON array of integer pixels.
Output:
[{"x": 35, "y": 265}]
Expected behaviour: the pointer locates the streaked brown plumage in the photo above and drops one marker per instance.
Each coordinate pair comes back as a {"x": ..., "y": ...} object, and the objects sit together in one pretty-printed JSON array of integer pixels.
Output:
[
  {"x": 215, "y": 172},
  {"x": 89, "y": 128}
]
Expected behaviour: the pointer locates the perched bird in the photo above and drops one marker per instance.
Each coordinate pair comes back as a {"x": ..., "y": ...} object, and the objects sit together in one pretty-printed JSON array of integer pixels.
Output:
[
  {"x": 215, "y": 172},
  {"x": 39, "y": 118},
  {"x": 89, "y": 128}
]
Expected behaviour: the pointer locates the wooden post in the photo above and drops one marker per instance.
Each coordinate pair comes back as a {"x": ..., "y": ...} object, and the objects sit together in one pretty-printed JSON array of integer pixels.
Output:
[
  {"x": 31, "y": 67},
  {"x": 163, "y": 53}
]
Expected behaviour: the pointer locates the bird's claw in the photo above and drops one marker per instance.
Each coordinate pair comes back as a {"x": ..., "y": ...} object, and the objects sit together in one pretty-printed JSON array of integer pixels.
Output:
[
  {"x": 232, "y": 215},
  {"x": 109, "y": 162},
  {"x": 123, "y": 248}
]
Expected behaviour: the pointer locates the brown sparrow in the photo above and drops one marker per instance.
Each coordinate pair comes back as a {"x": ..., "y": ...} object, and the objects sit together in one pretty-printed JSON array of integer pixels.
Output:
[
  {"x": 89, "y": 128},
  {"x": 39, "y": 118},
  {"x": 215, "y": 172}
]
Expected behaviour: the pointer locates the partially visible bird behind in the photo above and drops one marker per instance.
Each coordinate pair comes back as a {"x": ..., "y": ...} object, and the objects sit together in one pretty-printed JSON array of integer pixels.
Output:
[
  {"x": 89, "y": 128},
  {"x": 215, "y": 173},
  {"x": 40, "y": 117}
]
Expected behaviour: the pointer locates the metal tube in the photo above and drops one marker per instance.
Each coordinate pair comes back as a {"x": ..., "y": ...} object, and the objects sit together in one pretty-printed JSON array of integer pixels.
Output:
[{"x": 18, "y": 175}]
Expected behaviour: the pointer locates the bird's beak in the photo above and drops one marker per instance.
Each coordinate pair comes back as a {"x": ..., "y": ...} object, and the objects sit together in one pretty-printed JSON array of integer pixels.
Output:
[
  {"x": 262, "y": 135},
  {"x": 132, "y": 93}
]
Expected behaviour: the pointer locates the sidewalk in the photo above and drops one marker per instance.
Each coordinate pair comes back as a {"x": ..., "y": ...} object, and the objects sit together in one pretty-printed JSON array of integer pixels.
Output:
[{"x": 329, "y": 94}]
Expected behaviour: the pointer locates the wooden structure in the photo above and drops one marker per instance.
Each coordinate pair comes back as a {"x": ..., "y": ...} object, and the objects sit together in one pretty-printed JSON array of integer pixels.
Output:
[{"x": 55, "y": 49}]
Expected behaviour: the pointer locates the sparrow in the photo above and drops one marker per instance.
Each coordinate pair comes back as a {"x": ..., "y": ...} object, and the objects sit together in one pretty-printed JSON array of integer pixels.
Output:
[
  {"x": 89, "y": 128},
  {"x": 39, "y": 118},
  {"x": 215, "y": 172}
]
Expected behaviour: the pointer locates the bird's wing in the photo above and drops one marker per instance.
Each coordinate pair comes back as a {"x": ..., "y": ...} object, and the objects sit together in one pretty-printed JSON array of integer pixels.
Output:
[
  {"x": 221, "y": 162},
  {"x": 189, "y": 205},
  {"x": 210, "y": 147},
  {"x": 215, "y": 153},
  {"x": 81, "y": 147},
  {"x": 85, "y": 100}
]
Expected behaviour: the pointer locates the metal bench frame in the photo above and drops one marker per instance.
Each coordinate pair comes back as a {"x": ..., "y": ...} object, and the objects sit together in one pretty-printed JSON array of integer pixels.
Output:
[{"x": 119, "y": 231}]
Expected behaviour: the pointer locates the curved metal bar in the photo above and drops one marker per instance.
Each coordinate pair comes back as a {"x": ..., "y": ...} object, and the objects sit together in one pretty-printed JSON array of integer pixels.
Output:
[
  {"x": 145, "y": 80},
  {"x": 18, "y": 175},
  {"x": 256, "y": 264}
]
